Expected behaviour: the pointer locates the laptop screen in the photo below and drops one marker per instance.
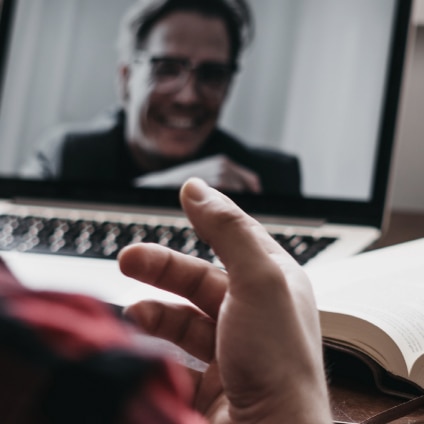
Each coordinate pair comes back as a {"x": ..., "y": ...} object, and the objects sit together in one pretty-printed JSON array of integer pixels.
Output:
[{"x": 303, "y": 127}]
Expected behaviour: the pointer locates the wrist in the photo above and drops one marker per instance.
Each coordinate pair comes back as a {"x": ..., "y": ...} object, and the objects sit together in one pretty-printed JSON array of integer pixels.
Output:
[{"x": 302, "y": 404}]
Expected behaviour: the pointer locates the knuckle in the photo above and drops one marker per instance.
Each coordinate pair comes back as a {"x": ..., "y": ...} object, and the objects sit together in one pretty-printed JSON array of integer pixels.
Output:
[{"x": 227, "y": 217}]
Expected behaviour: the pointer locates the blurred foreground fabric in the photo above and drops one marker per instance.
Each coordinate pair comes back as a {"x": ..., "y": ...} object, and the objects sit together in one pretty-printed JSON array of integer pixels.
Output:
[{"x": 68, "y": 358}]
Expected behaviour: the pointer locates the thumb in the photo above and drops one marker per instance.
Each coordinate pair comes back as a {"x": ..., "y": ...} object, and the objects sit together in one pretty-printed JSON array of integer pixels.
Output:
[{"x": 243, "y": 245}]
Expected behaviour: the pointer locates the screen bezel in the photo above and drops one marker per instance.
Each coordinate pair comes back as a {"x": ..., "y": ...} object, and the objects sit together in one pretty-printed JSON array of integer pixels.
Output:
[
  {"x": 7, "y": 8},
  {"x": 335, "y": 211}
]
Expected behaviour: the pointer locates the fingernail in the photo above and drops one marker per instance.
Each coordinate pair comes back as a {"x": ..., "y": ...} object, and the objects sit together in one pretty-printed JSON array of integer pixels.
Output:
[{"x": 196, "y": 190}]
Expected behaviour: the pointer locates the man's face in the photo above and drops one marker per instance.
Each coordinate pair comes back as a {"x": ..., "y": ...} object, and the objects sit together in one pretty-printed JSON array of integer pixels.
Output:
[{"x": 174, "y": 125}]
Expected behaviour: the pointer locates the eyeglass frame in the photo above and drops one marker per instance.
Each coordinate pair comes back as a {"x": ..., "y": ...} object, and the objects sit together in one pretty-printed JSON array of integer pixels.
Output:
[{"x": 189, "y": 68}]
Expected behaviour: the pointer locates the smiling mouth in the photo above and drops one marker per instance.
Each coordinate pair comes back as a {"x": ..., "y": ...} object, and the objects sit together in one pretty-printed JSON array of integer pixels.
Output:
[{"x": 179, "y": 123}]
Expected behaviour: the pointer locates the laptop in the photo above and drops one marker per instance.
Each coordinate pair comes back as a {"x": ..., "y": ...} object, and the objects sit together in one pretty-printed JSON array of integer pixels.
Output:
[{"x": 321, "y": 81}]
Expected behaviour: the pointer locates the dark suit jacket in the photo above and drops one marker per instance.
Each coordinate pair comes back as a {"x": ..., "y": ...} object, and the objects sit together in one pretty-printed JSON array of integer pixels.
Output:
[{"x": 101, "y": 154}]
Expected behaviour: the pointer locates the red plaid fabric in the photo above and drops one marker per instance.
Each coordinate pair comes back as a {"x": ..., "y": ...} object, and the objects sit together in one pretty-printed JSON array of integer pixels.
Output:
[{"x": 68, "y": 359}]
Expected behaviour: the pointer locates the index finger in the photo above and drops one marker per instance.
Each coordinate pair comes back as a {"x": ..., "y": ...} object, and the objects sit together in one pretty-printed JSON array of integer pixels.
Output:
[{"x": 200, "y": 282}]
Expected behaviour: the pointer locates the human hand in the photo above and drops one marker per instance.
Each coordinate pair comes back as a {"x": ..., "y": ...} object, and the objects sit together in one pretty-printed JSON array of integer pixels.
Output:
[
  {"x": 218, "y": 171},
  {"x": 255, "y": 324}
]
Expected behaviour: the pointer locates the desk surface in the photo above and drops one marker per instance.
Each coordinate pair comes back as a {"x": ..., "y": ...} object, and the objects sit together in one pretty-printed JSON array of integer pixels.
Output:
[
  {"x": 353, "y": 402},
  {"x": 403, "y": 226}
]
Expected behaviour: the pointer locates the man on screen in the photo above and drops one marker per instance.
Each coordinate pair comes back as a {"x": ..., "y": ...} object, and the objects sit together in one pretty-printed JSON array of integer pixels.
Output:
[{"x": 177, "y": 61}]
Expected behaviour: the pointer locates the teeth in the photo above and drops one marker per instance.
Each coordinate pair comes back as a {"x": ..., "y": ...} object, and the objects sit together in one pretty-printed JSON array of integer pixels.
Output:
[{"x": 180, "y": 123}]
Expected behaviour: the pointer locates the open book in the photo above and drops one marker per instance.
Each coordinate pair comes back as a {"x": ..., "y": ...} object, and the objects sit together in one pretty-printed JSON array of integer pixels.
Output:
[{"x": 372, "y": 305}]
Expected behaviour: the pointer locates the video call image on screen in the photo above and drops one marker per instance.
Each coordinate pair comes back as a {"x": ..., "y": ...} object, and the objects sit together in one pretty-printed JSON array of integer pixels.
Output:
[{"x": 303, "y": 108}]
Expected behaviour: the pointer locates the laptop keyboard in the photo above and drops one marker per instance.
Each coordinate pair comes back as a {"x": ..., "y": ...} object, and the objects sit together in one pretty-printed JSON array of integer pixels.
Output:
[{"x": 95, "y": 239}]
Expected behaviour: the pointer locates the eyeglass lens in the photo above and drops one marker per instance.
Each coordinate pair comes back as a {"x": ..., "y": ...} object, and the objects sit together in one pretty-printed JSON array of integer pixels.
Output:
[{"x": 170, "y": 75}]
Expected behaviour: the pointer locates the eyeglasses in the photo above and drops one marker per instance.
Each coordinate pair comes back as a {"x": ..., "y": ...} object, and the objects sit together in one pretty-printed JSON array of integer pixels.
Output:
[{"x": 169, "y": 75}]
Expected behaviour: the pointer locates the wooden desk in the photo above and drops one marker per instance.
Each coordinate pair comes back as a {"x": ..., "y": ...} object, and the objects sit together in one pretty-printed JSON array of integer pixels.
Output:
[
  {"x": 353, "y": 402},
  {"x": 403, "y": 226}
]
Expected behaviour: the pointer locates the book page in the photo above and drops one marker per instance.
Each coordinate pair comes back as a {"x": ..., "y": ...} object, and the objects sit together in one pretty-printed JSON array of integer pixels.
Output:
[
  {"x": 395, "y": 304},
  {"x": 384, "y": 287}
]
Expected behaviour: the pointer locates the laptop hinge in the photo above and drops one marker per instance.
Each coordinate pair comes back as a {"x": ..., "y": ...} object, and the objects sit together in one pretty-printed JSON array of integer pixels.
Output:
[
  {"x": 91, "y": 206},
  {"x": 113, "y": 208},
  {"x": 289, "y": 220}
]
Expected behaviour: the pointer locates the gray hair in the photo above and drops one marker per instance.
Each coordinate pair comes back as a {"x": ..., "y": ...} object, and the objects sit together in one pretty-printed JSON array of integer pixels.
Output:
[{"x": 144, "y": 14}]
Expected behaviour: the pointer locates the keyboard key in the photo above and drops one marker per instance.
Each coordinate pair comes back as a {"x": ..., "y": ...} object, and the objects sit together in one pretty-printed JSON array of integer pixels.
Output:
[{"x": 105, "y": 239}]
